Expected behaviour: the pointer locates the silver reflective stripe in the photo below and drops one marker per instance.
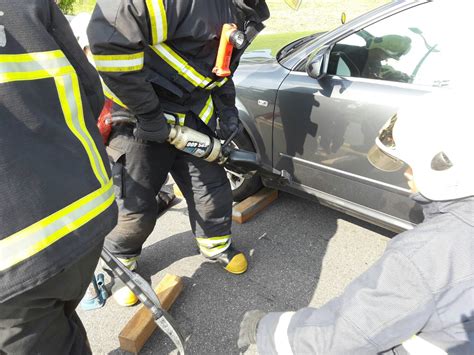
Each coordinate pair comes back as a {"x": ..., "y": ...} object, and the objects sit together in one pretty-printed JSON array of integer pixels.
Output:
[
  {"x": 40, "y": 235},
  {"x": 73, "y": 112},
  {"x": 208, "y": 111},
  {"x": 419, "y": 346},
  {"x": 180, "y": 65},
  {"x": 216, "y": 83},
  {"x": 119, "y": 63},
  {"x": 212, "y": 242},
  {"x": 40, "y": 63},
  {"x": 282, "y": 342},
  {"x": 210, "y": 252},
  {"x": 158, "y": 21}
]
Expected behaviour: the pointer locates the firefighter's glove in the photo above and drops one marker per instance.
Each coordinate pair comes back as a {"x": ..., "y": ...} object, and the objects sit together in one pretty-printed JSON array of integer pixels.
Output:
[
  {"x": 156, "y": 130},
  {"x": 248, "y": 328},
  {"x": 227, "y": 126}
]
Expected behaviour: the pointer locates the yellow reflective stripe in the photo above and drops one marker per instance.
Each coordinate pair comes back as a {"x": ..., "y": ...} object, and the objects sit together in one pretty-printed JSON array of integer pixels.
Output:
[
  {"x": 120, "y": 62},
  {"x": 210, "y": 252},
  {"x": 171, "y": 118},
  {"x": 54, "y": 64},
  {"x": 110, "y": 95},
  {"x": 217, "y": 83},
  {"x": 71, "y": 104},
  {"x": 33, "y": 66},
  {"x": 181, "y": 118},
  {"x": 35, "y": 75},
  {"x": 158, "y": 21},
  {"x": 208, "y": 111},
  {"x": 40, "y": 235},
  {"x": 31, "y": 57},
  {"x": 180, "y": 65},
  {"x": 213, "y": 242}
]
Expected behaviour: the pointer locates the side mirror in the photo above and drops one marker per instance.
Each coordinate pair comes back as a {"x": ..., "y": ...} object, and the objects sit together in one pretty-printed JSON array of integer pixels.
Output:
[{"x": 317, "y": 64}]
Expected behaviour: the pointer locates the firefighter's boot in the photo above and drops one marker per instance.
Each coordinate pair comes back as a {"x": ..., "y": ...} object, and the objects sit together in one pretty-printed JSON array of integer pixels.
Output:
[
  {"x": 121, "y": 293},
  {"x": 234, "y": 261}
]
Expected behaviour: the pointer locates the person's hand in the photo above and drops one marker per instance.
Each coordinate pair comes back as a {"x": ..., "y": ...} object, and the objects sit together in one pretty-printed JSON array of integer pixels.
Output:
[
  {"x": 154, "y": 130},
  {"x": 227, "y": 126},
  {"x": 248, "y": 328}
]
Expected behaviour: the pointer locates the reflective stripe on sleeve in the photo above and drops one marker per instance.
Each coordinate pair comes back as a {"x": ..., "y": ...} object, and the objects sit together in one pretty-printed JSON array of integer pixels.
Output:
[
  {"x": 217, "y": 84},
  {"x": 158, "y": 21},
  {"x": 40, "y": 235},
  {"x": 282, "y": 342},
  {"x": 111, "y": 96},
  {"x": 171, "y": 118},
  {"x": 208, "y": 111},
  {"x": 419, "y": 346},
  {"x": 119, "y": 63},
  {"x": 175, "y": 61}
]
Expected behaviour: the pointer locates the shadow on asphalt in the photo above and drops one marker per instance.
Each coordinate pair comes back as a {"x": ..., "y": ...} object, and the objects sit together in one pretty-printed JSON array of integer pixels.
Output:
[{"x": 285, "y": 245}]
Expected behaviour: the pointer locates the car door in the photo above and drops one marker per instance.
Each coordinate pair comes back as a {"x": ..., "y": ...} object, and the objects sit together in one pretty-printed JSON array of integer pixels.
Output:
[{"x": 323, "y": 128}]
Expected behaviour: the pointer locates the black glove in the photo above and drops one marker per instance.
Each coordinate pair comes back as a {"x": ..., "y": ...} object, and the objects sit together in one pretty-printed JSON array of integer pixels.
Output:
[
  {"x": 227, "y": 126},
  {"x": 248, "y": 328},
  {"x": 153, "y": 130}
]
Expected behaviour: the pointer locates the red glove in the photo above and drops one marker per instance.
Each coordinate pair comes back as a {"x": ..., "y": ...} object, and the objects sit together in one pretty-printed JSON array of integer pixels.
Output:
[{"x": 105, "y": 127}]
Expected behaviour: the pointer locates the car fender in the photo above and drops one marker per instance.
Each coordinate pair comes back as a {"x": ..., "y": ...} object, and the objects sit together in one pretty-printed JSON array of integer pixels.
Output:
[{"x": 249, "y": 124}]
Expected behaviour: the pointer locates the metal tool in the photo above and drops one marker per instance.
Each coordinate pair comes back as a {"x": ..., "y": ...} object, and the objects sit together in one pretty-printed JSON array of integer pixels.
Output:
[{"x": 147, "y": 296}]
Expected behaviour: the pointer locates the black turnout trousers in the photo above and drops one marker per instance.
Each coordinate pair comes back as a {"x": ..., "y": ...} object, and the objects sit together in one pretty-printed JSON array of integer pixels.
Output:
[
  {"x": 43, "y": 319},
  {"x": 139, "y": 170}
]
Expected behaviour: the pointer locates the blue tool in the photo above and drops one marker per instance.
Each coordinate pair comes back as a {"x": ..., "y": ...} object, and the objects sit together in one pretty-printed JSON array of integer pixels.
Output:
[{"x": 96, "y": 294}]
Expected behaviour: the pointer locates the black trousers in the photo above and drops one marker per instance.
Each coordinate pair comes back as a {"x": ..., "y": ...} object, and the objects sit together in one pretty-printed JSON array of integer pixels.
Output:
[
  {"x": 139, "y": 170},
  {"x": 43, "y": 320}
]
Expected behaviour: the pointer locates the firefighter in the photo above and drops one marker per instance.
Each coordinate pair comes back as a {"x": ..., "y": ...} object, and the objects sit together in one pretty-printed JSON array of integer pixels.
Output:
[
  {"x": 79, "y": 25},
  {"x": 156, "y": 57},
  {"x": 379, "y": 50},
  {"x": 418, "y": 298},
  {"x": 57, "y": 195}
]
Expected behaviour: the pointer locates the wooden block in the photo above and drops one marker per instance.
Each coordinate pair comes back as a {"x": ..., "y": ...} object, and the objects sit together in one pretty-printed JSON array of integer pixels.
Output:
[
  {"x": 141, "y": 326},
  {"x": 249, "y": 207}
]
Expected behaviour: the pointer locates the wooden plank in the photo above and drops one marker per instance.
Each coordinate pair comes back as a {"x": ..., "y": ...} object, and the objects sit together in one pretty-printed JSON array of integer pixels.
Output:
[
  {"x": 141, "y": 326},
  {"x": 249, "y": 207}
]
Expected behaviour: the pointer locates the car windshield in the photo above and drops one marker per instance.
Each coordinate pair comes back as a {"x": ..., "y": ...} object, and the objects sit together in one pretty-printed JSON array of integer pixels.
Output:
[{"x": 293, "y": 46}]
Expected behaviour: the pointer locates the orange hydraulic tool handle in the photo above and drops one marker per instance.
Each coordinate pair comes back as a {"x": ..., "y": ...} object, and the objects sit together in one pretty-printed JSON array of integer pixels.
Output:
[{"x": 230, "y": 37}]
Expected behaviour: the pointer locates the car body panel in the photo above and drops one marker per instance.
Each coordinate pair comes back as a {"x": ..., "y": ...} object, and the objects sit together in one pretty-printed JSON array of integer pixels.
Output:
[{"x": 320, "y": 130}]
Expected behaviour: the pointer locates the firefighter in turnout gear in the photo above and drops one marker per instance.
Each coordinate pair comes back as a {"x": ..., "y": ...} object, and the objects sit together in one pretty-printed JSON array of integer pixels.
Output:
[
  {"x": 57, "y": 197},
  {"x": 418, "y": 298},
  {"x": 156, "y": 58}
]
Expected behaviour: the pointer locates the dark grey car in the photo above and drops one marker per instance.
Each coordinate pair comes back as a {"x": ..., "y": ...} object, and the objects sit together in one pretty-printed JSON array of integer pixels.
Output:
[{"x": 316, "y": 108}]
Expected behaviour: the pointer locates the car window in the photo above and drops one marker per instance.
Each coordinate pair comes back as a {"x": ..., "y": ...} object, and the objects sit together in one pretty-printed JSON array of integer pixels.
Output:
[{"x": 411, "y": 47}]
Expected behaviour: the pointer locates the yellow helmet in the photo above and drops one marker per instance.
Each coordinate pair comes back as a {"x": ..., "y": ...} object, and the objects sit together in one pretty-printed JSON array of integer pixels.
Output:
[{"x": 393, "y": 45}]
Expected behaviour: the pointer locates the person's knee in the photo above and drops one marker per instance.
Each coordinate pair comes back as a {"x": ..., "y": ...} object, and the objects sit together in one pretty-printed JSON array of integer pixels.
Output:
[{"x": 137, "y": 225}]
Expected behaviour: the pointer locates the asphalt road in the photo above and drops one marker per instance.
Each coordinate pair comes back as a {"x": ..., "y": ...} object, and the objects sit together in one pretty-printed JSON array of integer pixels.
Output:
[{"x": 300, "y": 254}]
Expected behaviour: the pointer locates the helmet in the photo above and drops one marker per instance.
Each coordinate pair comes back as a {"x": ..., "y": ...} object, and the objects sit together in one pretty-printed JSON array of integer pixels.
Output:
[
  {"x": 79, "y": 27},
  {"x": 431, "y": 134},
  {"x": 393, "y": 45}
]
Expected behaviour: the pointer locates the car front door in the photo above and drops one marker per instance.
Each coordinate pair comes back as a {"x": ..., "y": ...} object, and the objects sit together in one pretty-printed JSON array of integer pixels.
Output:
[{"x": 323, "y": 128}]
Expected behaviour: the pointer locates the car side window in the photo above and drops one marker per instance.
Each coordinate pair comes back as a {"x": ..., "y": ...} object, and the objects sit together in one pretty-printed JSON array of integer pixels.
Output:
[{"x": 408, "y": 47}]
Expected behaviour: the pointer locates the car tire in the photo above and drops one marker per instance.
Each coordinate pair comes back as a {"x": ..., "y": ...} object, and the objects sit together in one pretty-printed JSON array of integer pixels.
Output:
[{"x": 242, "y": 186}]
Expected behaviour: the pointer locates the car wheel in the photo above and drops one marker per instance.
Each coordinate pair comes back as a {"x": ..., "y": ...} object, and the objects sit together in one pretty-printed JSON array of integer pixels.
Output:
[{"x": 242, "y": 185}]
